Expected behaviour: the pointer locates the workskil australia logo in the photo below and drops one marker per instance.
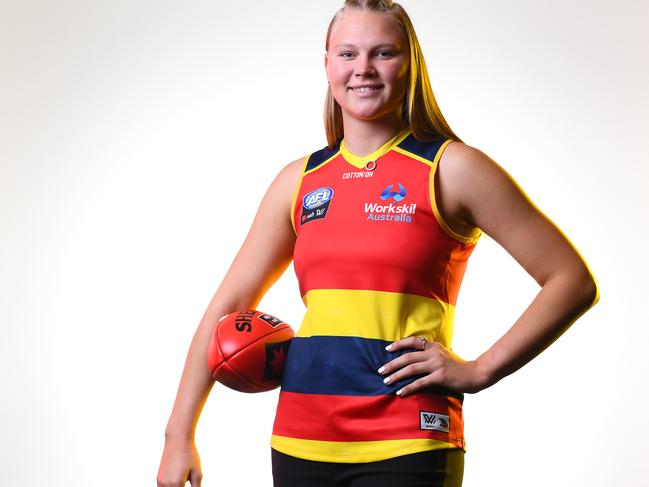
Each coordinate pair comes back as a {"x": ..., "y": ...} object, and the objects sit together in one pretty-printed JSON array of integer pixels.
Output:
[
  {"x": 391, "y": 211},
  {"x": 315, "y": 204}
]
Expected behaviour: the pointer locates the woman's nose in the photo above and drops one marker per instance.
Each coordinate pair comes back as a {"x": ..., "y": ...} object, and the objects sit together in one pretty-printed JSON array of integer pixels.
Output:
[{"x": 364, "y": 66}]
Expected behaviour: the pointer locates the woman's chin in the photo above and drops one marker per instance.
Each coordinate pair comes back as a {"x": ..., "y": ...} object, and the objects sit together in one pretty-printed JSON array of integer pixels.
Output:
[{"x": 368, "y": 115}]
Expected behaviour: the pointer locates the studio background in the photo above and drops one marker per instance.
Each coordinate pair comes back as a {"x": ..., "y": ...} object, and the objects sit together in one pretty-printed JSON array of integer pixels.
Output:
[{"x": 136, "y": 142}]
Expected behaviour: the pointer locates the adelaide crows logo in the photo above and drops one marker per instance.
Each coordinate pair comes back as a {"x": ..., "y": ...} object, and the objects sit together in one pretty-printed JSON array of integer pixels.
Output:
[{"x": 389, "y": 193}]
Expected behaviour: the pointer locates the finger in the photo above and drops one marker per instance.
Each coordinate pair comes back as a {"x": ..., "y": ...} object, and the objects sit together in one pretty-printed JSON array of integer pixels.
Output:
[
  {"x": 195, "y": 479},
  {"x": 400, "y": 362},
  {"x": 416, "y": 385},
  {"x": 399, "y": 344},
  {"x": 410, "y": 370},
  {"x": 418, "y": 342}
]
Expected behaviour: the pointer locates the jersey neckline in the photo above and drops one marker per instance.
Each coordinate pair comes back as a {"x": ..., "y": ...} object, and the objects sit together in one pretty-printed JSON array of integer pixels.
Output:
[{"x": 360, "y": 162}]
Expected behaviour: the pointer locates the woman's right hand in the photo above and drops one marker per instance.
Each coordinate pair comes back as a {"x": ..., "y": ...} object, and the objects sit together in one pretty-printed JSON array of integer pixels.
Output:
[{"x": 180, "y": 463}]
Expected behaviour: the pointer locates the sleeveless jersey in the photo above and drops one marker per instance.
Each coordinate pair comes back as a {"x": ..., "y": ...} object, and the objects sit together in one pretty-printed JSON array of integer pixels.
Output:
[{"x": 375, "y": 263}]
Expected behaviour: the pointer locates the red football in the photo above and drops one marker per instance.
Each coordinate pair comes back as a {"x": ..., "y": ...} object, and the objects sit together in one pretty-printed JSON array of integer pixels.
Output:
[{"x": 248, "y": 349}]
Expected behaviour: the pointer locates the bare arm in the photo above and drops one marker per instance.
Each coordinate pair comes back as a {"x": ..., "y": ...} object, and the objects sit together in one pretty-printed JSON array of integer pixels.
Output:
[
  {"x": 477, "y": 192},
  {"x": 494, "y": 202},
  {"x": 268, "y": 249},
  {"x": 263, "y": 257}
]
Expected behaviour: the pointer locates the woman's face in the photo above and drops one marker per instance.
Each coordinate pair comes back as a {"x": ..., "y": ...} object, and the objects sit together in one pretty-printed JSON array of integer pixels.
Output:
[{"x": 367, "y": 65}]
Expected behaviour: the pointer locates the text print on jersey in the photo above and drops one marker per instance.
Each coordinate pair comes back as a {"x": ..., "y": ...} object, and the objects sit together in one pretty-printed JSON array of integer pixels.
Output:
[
  {"x": 391, "y": 212},
  {"x": 358, "y": 174},
  {"x": 315, "y": 204}
]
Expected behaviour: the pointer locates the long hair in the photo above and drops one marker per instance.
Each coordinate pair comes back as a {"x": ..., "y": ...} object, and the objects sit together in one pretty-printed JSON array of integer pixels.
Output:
[{"x": 420, "y": 111}]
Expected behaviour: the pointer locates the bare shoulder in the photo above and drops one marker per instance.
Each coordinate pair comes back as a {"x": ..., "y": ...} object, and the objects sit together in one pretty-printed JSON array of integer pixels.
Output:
[
  {"x": 268, "y": 247},
  {"x": 281, "y": 190},
  {"x": 289, "y": 176},
  {"x": 294, "y": 169},
  {"x": 462, "y": 167},
  {"x": 488, "y": 197},
  {"x": 459, "y": 170},
  {"x": 467, "y": 179}
]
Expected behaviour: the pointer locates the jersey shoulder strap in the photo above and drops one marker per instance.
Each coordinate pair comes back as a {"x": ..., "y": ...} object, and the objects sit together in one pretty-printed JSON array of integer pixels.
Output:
[
  {"x": 430, "y": 152},
  {"x": 427, "y": 150},
  {"x": 320, "y": 157}
]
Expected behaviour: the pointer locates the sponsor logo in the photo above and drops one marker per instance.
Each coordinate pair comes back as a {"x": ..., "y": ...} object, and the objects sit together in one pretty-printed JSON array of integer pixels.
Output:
[
  {"x": 271, "y": 320},
  {"x": 389, "y": 193},
  {"x": 434, "y": 421},
  {"x": 358, "y": 174},
  {"x": 391, "y": 208},
  {"x": 391, "y": 211},
  {"x": 243, "y": 321},
  {"x": 315, "y": 204}
]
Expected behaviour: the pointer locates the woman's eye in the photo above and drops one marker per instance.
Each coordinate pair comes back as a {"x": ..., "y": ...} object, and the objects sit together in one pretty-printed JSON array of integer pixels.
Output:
[{"x": 383, "y": 54}]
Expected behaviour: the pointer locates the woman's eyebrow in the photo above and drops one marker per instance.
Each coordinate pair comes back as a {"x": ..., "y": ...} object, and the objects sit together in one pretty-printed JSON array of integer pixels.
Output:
[{"x": 390, "y": 46}]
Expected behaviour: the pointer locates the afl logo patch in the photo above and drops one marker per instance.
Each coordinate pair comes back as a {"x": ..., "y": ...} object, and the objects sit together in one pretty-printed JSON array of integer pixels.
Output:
[{"x": 315, "y": 204}]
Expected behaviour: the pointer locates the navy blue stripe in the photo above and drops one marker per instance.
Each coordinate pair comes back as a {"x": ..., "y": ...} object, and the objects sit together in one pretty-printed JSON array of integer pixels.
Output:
[
  {"x": 319, "y": 157},
  {"x": 425, "y": 149},
  {"x": 343, "y": 366}
]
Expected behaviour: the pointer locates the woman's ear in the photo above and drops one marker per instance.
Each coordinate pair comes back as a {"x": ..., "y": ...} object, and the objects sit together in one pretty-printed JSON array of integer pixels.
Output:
[{"x": 325, "y": 66}]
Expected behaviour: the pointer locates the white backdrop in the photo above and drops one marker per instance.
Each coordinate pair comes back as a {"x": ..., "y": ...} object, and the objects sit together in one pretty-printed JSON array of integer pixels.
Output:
[{"x": 137, "y": 139}]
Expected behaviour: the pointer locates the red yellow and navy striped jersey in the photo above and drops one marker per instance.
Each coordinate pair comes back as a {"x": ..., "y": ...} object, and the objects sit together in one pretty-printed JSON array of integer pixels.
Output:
[{"x": 375, "y": 263}]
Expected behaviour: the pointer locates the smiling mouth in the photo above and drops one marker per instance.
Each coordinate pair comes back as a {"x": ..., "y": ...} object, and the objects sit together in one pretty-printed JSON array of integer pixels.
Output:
[{"x": 365, "y": 89}]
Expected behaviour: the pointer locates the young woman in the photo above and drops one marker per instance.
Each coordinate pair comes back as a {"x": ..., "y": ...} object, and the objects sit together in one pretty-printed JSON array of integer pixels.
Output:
[{"x": 380, "y": 224}]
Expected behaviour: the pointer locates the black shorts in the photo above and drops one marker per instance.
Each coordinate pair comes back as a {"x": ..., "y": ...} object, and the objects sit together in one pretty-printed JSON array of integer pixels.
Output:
[{"x": 435, "y": 468}]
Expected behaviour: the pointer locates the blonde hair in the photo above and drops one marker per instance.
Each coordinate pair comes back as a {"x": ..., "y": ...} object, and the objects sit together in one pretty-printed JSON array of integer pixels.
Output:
[{"x": 420, "y": 112}]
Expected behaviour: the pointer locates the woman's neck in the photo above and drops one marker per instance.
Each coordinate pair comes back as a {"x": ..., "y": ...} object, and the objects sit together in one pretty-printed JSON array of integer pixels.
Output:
[{"x": 363, "y": 137}]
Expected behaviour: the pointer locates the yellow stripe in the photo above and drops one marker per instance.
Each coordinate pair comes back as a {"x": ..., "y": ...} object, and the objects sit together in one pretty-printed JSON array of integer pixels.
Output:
[
  {"x": 376, "y": 314},
  {"x": 354, "y": 451},
  {"x": 475, "y": 234},
  {"x": 413, "y": 156},
  {"x": 360, "y": 162}
]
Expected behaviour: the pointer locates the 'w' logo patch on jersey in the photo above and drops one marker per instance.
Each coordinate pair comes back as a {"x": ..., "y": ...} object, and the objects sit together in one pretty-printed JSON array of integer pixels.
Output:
[{"x": 434, "y": 421}]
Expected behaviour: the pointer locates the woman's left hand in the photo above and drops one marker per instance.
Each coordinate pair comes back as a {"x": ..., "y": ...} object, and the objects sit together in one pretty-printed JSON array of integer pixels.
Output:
[{"x": 442, "y": 366}]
